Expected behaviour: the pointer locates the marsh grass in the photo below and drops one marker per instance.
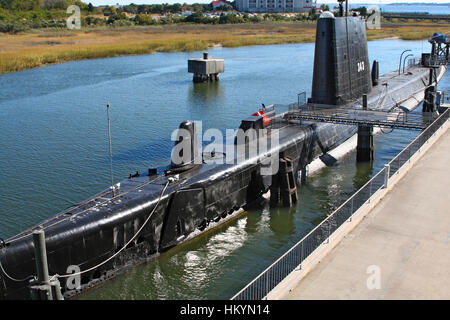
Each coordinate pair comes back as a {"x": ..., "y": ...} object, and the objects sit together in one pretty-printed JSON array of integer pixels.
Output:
[{"x": 31, "y": 50}]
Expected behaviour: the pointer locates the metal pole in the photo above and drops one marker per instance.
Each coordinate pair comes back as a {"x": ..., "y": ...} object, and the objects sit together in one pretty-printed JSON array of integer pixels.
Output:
[
  {"x": 40, "y": 254},
  {"x": 110, "y": 150},
  {"x": 404, "y": 61}
]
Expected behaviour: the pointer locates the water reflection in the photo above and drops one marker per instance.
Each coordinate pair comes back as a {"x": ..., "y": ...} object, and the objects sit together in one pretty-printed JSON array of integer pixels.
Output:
[
  {"x": 363, "y": 173},
  {"x": 207, "y": 94},
  {"x": 282, "y": 221}
]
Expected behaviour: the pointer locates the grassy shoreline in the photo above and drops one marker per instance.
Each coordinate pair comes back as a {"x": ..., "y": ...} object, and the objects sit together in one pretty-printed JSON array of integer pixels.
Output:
[{"x": 40, "y": 48}]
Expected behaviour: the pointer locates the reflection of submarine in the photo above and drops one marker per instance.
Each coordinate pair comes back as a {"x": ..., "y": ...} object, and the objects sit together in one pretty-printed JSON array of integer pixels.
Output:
[{"x": 154, "y": 212}]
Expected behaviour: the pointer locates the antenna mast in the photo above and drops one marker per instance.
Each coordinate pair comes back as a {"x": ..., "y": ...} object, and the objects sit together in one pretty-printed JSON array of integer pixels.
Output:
[
  {"x": 343, "y": 12},
  {"x": 110, "y": 151}
]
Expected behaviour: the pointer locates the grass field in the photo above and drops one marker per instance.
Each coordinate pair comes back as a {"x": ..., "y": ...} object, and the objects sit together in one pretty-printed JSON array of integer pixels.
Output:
[{"x": 40, "y": 48}]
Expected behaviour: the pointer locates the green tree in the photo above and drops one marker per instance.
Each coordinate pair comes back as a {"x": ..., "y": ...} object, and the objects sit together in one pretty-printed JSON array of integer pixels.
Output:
[
  {"x": 176, "y": 8},
  {"x": 132, "y": 8},
  {"x": 56, "y": 4},
  {"x": 313, "y": 14},
  {"x": 325, "y": 7},
  {"x": 21, "y": 5},
  {"x": 362, "y": 11},
  {"x": 143, "y": 19},
  {"x": 230, "y": 18}
]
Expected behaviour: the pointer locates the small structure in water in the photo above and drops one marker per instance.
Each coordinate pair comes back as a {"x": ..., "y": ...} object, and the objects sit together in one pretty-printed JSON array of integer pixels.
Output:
[{"x": 206, "y": 69}]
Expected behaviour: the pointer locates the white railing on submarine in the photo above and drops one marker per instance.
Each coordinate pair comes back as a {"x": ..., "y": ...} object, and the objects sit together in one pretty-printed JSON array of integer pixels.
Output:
[{"x": 292, "y": 260}]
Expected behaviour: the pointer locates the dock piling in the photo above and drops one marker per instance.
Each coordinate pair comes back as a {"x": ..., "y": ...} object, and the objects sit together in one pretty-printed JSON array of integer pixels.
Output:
[
  {"x": 365, "y": 149},
  {"x": 44, "y": 288}
]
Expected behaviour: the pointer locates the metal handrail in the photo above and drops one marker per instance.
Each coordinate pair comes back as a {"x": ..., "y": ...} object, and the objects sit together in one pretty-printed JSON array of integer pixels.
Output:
[{"x": 268, "y": 285}]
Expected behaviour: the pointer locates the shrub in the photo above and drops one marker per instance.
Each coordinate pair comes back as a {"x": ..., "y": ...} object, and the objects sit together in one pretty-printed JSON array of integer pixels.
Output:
[
  {"x": 230, "y": 18},
  {"x": 144, "y": 20},
  {"x": 122, "y": 23},
  {"x": 12, "y": 27},
  {"x": 117, "y": 17},
  {"x": 92, "y": 21}
]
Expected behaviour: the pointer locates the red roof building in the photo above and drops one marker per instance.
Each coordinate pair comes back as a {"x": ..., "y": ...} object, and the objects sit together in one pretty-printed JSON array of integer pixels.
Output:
[{"x": 220, "y": 3}]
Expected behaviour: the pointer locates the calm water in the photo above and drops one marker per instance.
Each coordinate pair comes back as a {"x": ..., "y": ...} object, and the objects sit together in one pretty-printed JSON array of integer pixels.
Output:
[
  {"x": 440, "y": 9},
  {"x": 54, "y": 152}
]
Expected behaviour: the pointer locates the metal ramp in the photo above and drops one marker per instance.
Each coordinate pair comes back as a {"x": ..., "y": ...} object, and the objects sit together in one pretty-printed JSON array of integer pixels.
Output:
[{"x": 395, "y": 119}]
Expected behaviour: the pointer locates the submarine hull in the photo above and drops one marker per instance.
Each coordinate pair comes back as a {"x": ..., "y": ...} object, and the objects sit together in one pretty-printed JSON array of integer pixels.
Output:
[{"x": 84, "y": 239}]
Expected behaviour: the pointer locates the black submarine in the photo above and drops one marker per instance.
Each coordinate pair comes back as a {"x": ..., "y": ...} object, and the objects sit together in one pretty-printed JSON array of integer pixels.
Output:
[{"x": 150, "y": 213}]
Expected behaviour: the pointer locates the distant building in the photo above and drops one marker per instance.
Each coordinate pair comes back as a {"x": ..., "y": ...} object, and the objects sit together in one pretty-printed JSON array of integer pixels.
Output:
[
  {"x": 275, "y": 5},
  {"x": 221, "y": 3}
]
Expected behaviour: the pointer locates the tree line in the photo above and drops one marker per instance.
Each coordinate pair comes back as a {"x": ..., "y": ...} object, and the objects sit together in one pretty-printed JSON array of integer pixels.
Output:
[{"x": 21, "y": 15}]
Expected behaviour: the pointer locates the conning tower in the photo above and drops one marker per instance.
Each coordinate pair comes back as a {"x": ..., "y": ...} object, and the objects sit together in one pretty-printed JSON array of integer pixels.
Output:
[
  {"x": 341, "y": 62},
  {"x": 185, "y": 151}
]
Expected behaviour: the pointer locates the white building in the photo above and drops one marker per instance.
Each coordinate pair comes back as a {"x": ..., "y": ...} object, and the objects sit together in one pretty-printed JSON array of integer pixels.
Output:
[{"x": 275, "y": 5}]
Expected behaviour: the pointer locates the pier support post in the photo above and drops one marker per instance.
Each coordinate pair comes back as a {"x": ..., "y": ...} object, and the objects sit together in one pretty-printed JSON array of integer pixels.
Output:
[
  {"x": 44, "y": 288},
  {"x": 364, "y": 149},
  {"x": 429, "y": 102}
]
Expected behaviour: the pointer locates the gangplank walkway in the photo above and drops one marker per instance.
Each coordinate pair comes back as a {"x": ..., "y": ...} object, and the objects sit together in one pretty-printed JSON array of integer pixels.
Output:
[{"x": 400, "y": 250}]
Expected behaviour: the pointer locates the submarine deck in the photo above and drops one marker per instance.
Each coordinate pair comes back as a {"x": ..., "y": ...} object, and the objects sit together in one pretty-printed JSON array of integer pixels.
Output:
[
  {"x": 146, "y": 190},
  {"x": 406, "y": 236}
]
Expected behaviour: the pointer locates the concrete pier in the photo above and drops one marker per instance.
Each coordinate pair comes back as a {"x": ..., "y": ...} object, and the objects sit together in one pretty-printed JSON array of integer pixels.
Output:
[
  {"x": 364, "y": 148},
  {"x": 400, "y": 249},
  {"x": 206, "y": 69}
]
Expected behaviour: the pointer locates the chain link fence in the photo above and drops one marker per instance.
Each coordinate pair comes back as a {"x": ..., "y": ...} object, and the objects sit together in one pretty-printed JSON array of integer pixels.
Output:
[{"x": 292, "y": 259}]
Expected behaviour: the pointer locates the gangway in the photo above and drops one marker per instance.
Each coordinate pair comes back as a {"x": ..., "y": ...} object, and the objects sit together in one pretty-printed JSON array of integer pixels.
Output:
[
  {"x": 366, "y": 118},
  {"x": 395, "y": 119}
]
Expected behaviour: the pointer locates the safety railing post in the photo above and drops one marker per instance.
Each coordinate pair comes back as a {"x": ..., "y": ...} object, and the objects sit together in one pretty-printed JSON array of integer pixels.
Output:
[{"x": 387, "y": 169}]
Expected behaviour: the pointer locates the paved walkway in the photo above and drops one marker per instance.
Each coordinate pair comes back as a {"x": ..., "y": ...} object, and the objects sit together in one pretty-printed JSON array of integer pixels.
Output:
[{"x": 401, "y": 250}]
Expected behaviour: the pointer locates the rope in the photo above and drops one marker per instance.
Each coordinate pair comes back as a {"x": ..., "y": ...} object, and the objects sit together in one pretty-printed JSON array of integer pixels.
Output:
[
  {"x": 12, "y": 278},
  {"x": 3, "y": 245},
  {"x": 126, "y": 245}
]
